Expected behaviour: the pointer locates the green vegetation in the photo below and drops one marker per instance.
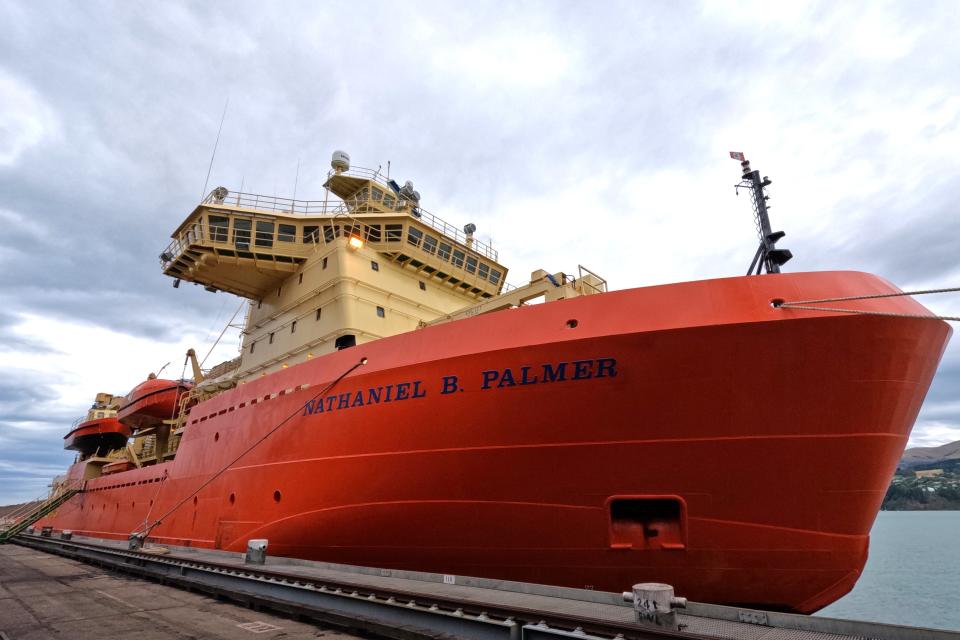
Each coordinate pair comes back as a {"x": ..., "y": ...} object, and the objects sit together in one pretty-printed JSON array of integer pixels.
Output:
[{"x": 909, "y": 493}]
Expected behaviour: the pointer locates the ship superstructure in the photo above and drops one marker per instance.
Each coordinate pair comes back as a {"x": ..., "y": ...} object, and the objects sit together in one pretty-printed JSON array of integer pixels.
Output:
[{"x": 386, "y": 411}]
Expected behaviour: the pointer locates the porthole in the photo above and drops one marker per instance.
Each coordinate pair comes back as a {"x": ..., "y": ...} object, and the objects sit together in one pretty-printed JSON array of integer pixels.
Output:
[
  {"x": 277, "y": 495},
  {"x": 233, "y": 498},
  {"x": 572, "y": 323},
  {"x": 216, "y": 436},
  {"x": 776, "y": 303},
  {"x": 195, "y": 500}
]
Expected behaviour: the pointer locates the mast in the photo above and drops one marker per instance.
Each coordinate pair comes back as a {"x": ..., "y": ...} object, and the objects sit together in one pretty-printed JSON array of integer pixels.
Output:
[{"x": 767, "y": 256}]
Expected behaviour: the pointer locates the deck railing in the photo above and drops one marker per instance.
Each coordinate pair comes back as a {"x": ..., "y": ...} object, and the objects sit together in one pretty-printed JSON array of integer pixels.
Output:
[{"x": 313, "y": 208}]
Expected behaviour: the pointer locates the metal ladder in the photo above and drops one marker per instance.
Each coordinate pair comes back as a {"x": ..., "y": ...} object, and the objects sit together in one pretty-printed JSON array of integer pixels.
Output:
[{"x": 36, "y": 512}]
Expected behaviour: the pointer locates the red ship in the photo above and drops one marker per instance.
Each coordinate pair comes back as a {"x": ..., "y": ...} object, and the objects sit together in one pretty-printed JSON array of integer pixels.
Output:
[{"x": 396, "y": 406}]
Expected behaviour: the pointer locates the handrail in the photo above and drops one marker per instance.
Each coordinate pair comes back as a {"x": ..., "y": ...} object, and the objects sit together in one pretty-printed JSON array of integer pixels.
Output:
[
  {"x": 341, "y": 224},
  {"x": 259, "y": 202}
]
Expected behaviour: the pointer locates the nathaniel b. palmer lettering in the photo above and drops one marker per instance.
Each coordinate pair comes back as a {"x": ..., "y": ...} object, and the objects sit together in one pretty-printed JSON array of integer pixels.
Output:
[{"x": 488, "y": 380}]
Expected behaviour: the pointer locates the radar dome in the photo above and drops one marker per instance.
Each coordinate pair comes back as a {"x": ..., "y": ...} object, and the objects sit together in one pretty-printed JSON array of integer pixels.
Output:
[{"x": 340, "y": 161}]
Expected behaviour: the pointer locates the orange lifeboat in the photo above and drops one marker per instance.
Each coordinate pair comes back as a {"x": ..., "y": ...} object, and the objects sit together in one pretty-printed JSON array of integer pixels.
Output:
[
  {"x": 102, "y": 434},
  {"x": 152, "y": 402}
]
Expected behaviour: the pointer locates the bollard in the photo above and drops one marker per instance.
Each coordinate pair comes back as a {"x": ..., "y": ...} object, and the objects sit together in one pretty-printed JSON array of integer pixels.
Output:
[
  {"x": 66, "y": 534},
  {"x": 46, "y": 532},
  {"x": 256, "y": 551},
  {"x": 654, "y": 604}
]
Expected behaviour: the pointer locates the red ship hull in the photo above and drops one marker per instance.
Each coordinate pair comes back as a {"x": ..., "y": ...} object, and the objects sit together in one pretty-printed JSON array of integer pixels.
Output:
[{"x": 695, "y": 436}]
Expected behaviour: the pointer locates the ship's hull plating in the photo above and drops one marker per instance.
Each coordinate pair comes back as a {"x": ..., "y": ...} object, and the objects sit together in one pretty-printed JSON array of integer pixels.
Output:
[{"x": 695, "y": 436}]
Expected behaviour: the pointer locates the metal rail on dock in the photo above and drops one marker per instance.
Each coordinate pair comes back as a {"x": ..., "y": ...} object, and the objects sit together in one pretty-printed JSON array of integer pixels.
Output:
[{"x": 397, "y": 613}]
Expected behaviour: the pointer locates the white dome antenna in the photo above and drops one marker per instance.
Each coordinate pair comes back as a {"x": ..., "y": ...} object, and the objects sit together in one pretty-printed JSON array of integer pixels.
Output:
[{"x": 340, "y": 161}]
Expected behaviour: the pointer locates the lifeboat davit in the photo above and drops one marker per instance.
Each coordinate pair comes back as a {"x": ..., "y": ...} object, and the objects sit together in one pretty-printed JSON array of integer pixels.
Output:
[
  {"x": 101, "y": 434},
  {"x": 152, "y": 402}
]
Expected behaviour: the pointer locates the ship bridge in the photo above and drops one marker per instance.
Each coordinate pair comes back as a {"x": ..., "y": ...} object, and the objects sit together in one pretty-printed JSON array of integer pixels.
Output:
[{"x": 249, "y": 244}]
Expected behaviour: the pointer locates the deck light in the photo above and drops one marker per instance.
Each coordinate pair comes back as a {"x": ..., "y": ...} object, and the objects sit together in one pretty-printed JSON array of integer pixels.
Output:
[{"x": 355, "y": 243}]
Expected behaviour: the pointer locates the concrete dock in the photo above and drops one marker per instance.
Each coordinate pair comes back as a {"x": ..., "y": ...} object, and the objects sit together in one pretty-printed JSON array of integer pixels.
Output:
[{"x": 47, "y": 596}]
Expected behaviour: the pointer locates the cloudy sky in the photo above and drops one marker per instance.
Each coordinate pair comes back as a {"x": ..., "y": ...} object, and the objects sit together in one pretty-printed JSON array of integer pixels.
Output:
[{"x": 568, "y": 132}]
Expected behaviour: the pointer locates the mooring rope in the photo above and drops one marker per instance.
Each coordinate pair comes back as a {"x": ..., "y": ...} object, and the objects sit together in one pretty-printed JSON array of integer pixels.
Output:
[
  {"x": 805, "y": 305},
  {"x": 146, "y": 530}
]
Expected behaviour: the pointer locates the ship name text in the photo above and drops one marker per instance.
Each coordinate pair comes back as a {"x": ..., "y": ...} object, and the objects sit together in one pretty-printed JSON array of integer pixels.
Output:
[{"x": 488, "y": 380}]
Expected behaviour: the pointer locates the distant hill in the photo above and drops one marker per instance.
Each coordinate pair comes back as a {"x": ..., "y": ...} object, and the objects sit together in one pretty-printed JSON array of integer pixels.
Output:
[{"x": 928, "y": 457}]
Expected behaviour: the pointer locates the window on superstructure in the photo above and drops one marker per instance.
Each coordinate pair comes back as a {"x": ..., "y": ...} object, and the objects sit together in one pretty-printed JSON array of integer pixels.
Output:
[
  {"x": 423, "y": 286},
  {"x": 381, "y": 313},
  {"x": 444, "y": 251},
  {"x": 495, "y": 276},
  {"x": 471, "y": 264},
  {"x": 375, "y": 265},
  {"x": 218, "y": 228},
  {"x": 389, "y": 201},
  {"x": 329, "y": 232},
  {"x": 311, "y": 233},
  {"x": 293, "y": 327},
  {"x": 483, "y": 270},
  {"x": 377, "y": 194},
  {"x": 253, "y": 346},
  {"x": 286, "y": 233},
  {"x": 271, "y": 339},
  {"x": 458, "y": 258},
  {"x": 318, "y": 314},
  {"x": 300, "y": 281},
  {"x": 394, "y": 232},
  {"x": 372, "y": 232},
  {"x": 241, "y": 233},
  {"x": 264, "y": 234},
  {"x": 324, "y": 263},
  {"x": 414, "y": 236}
]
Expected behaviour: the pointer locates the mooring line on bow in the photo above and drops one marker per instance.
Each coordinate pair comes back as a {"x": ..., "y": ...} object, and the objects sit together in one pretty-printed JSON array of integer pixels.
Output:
[
  {"x": 806, "y": 304},
  {"x": 138, "y": 537}
]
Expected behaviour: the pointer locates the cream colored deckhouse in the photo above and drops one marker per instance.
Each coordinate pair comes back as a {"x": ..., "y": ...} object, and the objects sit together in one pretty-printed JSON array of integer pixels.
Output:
[{"x": 364, "y": 263}]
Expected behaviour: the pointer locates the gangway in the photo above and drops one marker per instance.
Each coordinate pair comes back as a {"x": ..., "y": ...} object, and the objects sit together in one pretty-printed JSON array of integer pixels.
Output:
[{"x": 33, "y": 511}]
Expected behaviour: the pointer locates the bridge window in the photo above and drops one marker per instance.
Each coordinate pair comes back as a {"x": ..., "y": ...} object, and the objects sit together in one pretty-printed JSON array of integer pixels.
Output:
[
  {"x": 388, "y": 201},
  {"x": 444, "y": 251},
  {"x": 377, "y": 194},
  {"x": 218, "y": 228},
  {"x": 483, "y": 270},
  {"x": 287, "y": 233},
  {"x": 241, "y": 233},
  {"x": 458, "y": 258},
  {"x": 264, "y": 234},
  {"x": 495, "y": 276},
  {"x": 471, "y": 264},
  {"x": 372, "y": 232},
  {"x": 330, "y": 232},
  {"x": 414, "y": 236},
  {"x": 311, "y": 233},
  {"x": 394, "y": 232},
  {"x": 430, "y": 244}
]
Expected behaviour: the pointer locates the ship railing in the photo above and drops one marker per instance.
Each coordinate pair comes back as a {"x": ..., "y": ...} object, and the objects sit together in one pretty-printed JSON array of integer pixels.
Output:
[{"x": 313, "y": 208}]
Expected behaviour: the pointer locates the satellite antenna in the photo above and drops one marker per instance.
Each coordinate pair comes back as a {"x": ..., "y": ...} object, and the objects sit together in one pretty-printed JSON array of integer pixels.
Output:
[{"x": 768, "y": 256}]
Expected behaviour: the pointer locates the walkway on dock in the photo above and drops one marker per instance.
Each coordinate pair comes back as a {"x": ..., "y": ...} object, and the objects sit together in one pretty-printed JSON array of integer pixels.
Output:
[{"x": 46, "y": 596}]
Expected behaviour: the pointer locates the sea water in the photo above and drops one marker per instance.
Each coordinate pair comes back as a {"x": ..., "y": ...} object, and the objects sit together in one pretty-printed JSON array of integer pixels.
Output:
[{"x": 912, "y": 576}]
